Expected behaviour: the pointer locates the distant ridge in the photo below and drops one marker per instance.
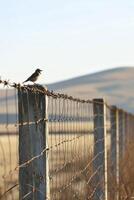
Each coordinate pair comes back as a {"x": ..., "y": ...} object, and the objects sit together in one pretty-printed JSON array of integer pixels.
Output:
[
  {"x": 116, "y": 85},
  {"x": 87, "y": 78}
]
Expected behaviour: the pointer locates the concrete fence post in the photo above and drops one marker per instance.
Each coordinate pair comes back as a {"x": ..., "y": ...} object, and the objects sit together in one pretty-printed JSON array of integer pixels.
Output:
[
  {"x": 121, "y": 133},
  {"x": 100, "y": 150},
  {"x": 124, "y": 133},
  {"x": 33, "y": 134},
  {"x": 114, "y": 149},
  {"x": 131, "y": 128}
]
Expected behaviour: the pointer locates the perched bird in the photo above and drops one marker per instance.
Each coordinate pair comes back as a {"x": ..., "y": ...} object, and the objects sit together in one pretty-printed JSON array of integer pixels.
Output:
[{"x": 34, "y": 76}]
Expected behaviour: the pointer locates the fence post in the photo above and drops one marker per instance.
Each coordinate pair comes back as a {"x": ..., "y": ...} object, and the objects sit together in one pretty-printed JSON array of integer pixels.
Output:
[
  {"x": 121, "y": 133},
  {"x": 100, "y": 149},
  {"x": 124, "y": 133},
  {"x": 33, "y": 133},
  {"x": 131, "y": 125},
  {"x": 115, "y": 145},
  {"x": 127, "y": 127}
]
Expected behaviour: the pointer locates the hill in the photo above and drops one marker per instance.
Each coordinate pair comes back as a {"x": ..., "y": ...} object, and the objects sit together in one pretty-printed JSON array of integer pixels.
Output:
[{"x": 115, "y": 85}]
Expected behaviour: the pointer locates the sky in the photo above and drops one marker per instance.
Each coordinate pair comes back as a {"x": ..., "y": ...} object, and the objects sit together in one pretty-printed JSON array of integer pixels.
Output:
[{"x": 64, "y": 38}]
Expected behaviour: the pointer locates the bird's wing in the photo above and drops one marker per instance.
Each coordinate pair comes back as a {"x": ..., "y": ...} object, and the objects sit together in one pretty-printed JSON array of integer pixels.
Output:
[{"x": 30, "y": 77}]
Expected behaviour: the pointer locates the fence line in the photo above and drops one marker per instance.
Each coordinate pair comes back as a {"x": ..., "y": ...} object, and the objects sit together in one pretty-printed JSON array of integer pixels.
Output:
[{"x": 67, "y": 149}]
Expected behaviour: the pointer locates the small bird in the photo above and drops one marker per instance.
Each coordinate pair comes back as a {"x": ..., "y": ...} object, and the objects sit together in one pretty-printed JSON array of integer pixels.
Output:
[{"x": 34, "y": 76}]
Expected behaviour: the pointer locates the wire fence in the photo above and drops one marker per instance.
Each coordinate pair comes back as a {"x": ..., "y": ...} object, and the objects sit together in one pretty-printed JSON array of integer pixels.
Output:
[{"x": 55, "y": 146}]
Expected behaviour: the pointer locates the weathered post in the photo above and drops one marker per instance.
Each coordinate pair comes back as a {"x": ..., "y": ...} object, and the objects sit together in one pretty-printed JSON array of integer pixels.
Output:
[
  {"x": 121, "y": 133},
  {"x": 100, "y": 149},
  {"x": 113, "y": 138},
  {"x": 124, "y": 133},
  {"x": 131, "y": 128},
  {"x": 33, "y": 134},
  {"x": 114, "y": 149}
]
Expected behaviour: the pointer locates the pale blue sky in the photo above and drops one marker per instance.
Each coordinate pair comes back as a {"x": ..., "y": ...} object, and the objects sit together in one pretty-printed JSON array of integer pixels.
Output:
[{"x": 64, "y": 38}]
